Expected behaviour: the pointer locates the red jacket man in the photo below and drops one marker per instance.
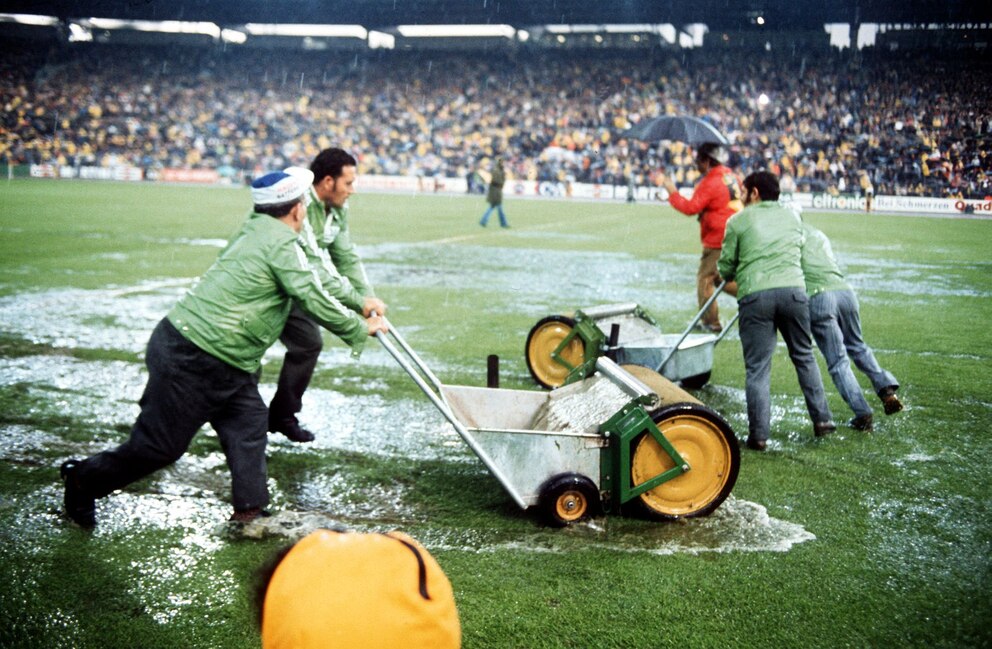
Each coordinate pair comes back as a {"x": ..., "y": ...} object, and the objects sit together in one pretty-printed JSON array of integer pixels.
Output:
[{"x": 716, "y": 198}]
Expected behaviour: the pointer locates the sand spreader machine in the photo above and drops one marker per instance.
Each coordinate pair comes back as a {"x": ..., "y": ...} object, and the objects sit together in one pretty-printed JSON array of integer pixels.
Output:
[{"x": 622, "y": 439}]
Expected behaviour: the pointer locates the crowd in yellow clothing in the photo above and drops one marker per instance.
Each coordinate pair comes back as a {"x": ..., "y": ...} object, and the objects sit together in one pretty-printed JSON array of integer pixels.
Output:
[{"x": 911, "y": 126}]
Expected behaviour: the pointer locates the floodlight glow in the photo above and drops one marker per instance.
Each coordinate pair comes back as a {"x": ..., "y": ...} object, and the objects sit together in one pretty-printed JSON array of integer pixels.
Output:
[
  {"x": 79, "y": 34},
  {"x": 523, "y": 35},
  {"x": 840, "y": 34},
  {"x": 162, "y": 26},
  {"x": 233, "y": 36},
  {"x": 642, "y": 28},
  {"x": 618, "y": 28},
  {"x": 29, "y": 19},
  {"x": 763, "y": 100},
  {"x": 381, "y": 40},
  {"x": 324, "y": 31},
  {"x": 456, "y": 31},
  {"x": 668, "y": 33},
  {"x": 697, "y": 31},
  {"x": 761, "y": 20}
]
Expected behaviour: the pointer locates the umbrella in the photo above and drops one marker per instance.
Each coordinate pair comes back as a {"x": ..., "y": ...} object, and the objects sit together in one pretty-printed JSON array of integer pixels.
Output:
[{"x": 680, "y": 128}]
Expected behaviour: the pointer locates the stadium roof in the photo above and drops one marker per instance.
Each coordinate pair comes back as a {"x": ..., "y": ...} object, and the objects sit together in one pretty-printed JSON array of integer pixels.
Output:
[{"x": 717, "y": 14}]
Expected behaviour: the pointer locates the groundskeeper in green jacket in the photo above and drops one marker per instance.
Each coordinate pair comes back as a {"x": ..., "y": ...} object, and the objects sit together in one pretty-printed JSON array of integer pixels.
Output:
[
  {"x": 772, "y": 257},
  {"x": 819, "y": 266},
  {"x": 332, "y": 253},
  {"x": 238, "y": 308}
]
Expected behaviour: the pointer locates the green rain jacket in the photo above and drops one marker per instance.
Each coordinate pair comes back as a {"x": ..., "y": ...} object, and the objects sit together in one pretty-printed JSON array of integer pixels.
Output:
[
  {"x": 762, "y": 249},
  {"x": 819, "y": 266},
  {"x": 329, "y": 247},
  {"x": 239, "y": 307}
]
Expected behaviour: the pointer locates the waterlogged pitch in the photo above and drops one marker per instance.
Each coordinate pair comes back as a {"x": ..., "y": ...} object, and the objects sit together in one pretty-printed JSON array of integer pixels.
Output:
[{"x": 877, "y": 539}]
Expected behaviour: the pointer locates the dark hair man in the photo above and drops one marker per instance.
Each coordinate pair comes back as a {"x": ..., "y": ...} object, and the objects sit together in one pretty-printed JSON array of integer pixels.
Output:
[
  {"x": 203, "y": 358},
  {"x": 714, "y": 200},
  {"x": 327, "y": 243},
  {"x": 762, "y": 251}
]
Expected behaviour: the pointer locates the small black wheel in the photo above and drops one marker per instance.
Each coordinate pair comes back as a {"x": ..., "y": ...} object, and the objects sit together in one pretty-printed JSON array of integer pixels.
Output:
[
  {"x": 695, "y": 382},
  {"x": 568, "y": 498},
  {"x": 542, "y": 340}
]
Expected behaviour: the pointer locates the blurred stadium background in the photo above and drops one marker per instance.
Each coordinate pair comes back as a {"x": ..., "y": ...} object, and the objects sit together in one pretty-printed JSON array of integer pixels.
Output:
[{"x": 426, "y": 93}]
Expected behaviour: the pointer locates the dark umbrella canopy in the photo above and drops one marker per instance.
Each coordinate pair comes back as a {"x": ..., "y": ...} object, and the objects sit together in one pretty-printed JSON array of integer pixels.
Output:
[{"x": 679, "y": 128}]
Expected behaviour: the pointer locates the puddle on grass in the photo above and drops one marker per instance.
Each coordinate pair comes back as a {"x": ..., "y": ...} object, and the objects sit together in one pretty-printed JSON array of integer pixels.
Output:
[
  {"x": 190, "y": 495},
  {"x": 120, "y": 318},
  {"x": 736, "y": 526},
  {"x": 584, "y": 278}
]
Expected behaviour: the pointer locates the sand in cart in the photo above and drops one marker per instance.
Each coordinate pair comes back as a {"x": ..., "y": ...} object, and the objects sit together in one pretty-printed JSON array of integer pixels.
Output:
[{"x": 580, "y": 407}]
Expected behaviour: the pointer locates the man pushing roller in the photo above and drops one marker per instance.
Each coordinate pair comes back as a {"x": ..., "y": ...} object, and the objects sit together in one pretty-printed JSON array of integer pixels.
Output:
[
  {"x": 327, "y": 243},
  {"x": 204, "y": 357}
]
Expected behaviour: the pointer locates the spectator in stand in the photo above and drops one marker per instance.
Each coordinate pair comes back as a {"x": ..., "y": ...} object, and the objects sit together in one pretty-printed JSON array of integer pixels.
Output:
[
  {"x": 715, "y": 199},
  {"x": 864, "y": 181},
  {"x": 887, "y": 113}
]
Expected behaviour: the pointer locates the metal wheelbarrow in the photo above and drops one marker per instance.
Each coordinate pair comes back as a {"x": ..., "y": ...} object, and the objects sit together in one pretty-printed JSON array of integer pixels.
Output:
[
  {"x": 654, "y": 449},
  {"x": 562, "y": 349}
]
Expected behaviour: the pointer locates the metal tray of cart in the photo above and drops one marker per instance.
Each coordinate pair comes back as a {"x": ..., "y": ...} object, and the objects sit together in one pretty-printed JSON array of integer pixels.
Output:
[{"x": 661, "y": 451}]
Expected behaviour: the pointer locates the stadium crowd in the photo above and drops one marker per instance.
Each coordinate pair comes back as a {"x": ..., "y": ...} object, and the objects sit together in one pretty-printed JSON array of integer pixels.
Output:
[{"x": 916, "y": 125}]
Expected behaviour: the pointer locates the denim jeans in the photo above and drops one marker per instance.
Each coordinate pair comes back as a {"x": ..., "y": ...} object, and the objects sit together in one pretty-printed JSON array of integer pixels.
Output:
[
  {"x": 836, "y": 325},
  {"x": 784, "y": 310},
  {"x": 502, "y": 216},
  {"x": 187, "y": 388}
]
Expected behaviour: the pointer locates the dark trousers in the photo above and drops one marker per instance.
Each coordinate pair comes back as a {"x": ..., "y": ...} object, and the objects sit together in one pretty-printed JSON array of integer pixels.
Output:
[
  {"x": 303, "y": 342},
  {"x": 784, "y": 310},
  {"x": 187, "y": 388}
]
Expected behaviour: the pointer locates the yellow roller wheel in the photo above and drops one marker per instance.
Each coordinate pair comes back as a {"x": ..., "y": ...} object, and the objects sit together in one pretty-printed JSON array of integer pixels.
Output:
[
  {"x": 706, "y": 443},
  {"x": 542, "y": 340}
]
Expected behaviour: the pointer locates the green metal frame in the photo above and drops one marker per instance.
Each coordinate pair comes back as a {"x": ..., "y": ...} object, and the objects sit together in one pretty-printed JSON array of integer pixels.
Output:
[
  {"x": 622, "y": 429},
  {"x": 595, "y": 344}
]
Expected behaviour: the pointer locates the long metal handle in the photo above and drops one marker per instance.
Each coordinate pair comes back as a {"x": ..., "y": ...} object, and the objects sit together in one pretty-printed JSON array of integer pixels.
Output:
[
  {"x": 626, "y": 381},
  {"x": 726, "y": 329},
  {"x": 688, "y": 330},
  {"x": 438, "y": 399}
]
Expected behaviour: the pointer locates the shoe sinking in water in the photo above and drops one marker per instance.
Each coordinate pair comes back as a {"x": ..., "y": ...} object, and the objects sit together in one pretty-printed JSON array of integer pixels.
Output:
[
  {"x": 756, "y": 444},
  {"x": 291, "y": 428},
  {"x": 248, "y": 515},
  {"x": 824, "y": 428},
  {"x": 79, "y": 507},
  {"x": 890, "y": 401},
  {"x": 862, "y": 422}
]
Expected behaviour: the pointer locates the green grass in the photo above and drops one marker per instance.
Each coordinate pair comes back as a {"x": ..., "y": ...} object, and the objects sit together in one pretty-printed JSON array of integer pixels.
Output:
[{"x": 901, "y": 516}]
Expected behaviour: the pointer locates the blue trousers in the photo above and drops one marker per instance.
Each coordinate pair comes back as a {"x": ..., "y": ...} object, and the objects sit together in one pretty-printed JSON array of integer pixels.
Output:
[
  {"x": 783, "y": 310},
  {"x": 502, "y": 216},
  {"x": 187, "y": 388},
  {"x": 836, "y": 323}
]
